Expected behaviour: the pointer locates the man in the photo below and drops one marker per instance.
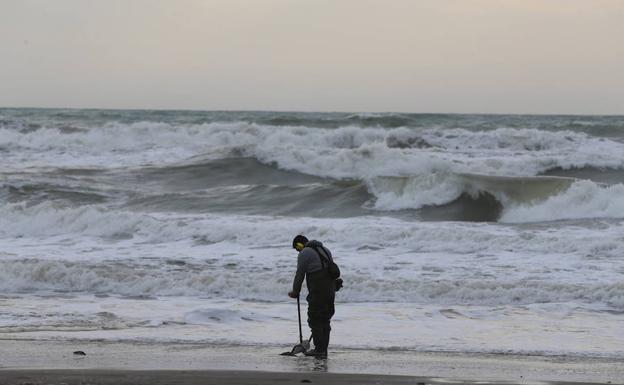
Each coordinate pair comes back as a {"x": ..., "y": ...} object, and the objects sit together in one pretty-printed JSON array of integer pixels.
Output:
[{"x": 312, "y": 263}]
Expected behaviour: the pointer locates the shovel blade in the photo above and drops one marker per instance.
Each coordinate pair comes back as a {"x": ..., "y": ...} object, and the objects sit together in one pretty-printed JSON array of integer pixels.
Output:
[{"x": 299, "y": 348}]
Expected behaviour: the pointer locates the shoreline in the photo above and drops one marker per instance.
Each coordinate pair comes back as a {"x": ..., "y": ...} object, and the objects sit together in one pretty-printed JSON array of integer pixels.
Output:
[{"x": 37, "y": 361}]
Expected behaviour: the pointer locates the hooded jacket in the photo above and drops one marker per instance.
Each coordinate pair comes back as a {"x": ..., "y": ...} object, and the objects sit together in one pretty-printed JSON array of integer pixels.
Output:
[{"x": 308, "y": 262}]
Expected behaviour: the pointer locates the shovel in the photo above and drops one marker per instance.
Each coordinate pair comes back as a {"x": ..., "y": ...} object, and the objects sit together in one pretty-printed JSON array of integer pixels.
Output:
[{"x": 302, "y": 346}]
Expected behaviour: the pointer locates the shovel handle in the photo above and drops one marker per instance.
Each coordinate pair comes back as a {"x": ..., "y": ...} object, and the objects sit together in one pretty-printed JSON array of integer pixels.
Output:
[{"x": 299, "y": 314}]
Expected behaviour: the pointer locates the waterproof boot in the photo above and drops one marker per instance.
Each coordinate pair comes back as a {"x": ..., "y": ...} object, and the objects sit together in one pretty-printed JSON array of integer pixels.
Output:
[
  {"x": 326, "y": 333},
  {"x": 317, "y": 337},
  {"x": 320, "y": 346}
]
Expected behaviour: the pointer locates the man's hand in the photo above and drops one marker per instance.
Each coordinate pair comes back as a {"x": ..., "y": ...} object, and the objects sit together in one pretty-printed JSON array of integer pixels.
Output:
[{"x": 292, "y": 294}]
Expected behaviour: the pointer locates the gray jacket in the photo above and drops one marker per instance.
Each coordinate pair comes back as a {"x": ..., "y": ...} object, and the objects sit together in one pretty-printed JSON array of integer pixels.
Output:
[{"x": 308, "y": 261}]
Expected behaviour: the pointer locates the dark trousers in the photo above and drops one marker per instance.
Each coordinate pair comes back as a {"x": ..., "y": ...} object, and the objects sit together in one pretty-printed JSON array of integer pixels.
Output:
[{"x": 320, "y": 299}]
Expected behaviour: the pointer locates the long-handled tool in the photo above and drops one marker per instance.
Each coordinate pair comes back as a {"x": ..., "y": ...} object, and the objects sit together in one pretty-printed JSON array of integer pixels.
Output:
[{"x": 302, "y": 346}]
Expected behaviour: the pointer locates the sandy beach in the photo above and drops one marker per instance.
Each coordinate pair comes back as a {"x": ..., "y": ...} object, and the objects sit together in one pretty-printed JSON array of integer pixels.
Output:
[{"x": 51, "y": 362}]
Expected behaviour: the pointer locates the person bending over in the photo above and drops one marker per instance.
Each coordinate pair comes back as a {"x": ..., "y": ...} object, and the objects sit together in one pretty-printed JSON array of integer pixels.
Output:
[{"x": 312, "y": 263}]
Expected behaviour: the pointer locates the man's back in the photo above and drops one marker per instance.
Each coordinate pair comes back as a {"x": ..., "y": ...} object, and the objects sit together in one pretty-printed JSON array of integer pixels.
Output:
[{"x": 308, "y": 260}]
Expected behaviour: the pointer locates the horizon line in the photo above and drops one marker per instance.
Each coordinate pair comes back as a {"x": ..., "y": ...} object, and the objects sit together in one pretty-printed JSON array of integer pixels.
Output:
[{"x": 313, "y": 111}]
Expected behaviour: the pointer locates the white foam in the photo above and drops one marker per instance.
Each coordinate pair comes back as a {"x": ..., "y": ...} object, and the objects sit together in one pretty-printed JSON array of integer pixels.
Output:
[
  {"x": 353, "y": 152},
  {"x": 248, "y": 257},
  {"x": 346, "y": 152},
  {"x": 415, "y": 192}
]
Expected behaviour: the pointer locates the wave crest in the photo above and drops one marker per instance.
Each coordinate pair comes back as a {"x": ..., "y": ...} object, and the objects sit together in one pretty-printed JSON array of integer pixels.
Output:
[
  {"x": 584, "y": 199},
  {"x": 349, "y": 151},
  {"x": 522, "y": 199}
]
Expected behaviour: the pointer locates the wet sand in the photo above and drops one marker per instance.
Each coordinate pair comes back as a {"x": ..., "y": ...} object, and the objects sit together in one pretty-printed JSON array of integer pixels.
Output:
[
  {"x": 53, "y": 362},
  {"x": 216, "y": 377}
]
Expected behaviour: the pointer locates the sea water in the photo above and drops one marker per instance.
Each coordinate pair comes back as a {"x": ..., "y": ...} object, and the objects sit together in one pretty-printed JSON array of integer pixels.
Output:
[{"x": 468, "y": 233}]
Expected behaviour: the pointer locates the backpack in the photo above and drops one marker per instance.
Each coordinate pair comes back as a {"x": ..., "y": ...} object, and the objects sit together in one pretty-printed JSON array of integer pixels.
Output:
[{"x": 332, "y": 269}]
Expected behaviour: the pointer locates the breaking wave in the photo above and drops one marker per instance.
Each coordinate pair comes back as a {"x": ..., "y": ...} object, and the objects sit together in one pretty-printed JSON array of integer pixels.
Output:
[
  {"x": 584, "y": 199},
  {"x": 469, "y": 167},
  {"x": 344, "y": 152},
  {"x": 205, "y": 189},
  {"x": 520, "y": 199}
]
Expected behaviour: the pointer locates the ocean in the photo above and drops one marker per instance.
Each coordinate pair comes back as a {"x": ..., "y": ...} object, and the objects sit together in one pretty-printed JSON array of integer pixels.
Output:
[{"x": 455, "y": 233}]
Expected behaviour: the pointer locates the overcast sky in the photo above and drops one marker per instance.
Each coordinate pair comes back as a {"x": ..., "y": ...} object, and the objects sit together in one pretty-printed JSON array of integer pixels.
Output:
[{"x": 492, "y": 56}]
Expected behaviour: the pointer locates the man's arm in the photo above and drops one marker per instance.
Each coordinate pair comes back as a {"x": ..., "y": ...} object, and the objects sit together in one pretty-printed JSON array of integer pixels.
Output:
[{"x": 299, "y": 276}]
